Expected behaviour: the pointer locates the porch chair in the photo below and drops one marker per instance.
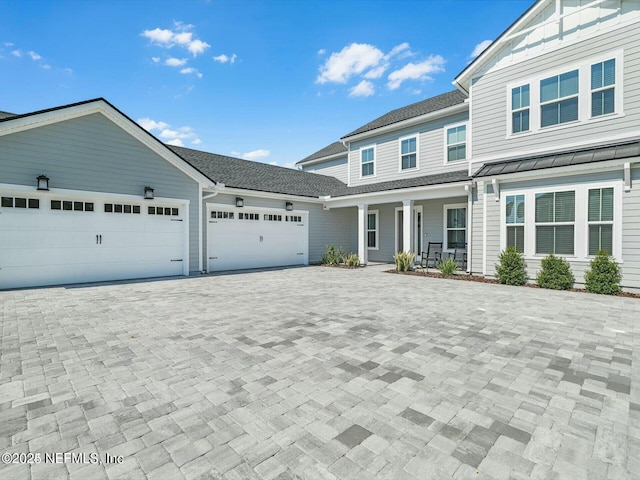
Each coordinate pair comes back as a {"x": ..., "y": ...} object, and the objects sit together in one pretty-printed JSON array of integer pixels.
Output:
[
  {"x": 433, "y": 256},
  {"x": 460, "y": 257}
]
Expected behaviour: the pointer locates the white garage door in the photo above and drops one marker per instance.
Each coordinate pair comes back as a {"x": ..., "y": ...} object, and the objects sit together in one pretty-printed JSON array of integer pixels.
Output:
[
  {"x": 49, "y": 239},
  {"x": 240, "y": 238}
]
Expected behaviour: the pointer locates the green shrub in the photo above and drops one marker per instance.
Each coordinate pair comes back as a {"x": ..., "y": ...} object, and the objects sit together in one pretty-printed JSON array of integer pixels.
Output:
[
  {"x": 604, "y": 275},
  {"x": 352, "y": 260},
  {"x": 404, "y": 261},
  {"x": 447, "y": 267},
  {"x": 333, "y": 256},
  {"x": 511, "y": 270},
  {"x": 555, "y": 274}
]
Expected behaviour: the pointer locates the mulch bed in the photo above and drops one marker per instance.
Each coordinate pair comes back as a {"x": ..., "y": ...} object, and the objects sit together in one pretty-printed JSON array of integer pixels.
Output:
[{"x": 481, "y": 279}]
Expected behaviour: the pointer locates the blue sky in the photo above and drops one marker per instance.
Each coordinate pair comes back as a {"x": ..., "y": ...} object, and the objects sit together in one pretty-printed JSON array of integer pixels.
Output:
[{"x": 271, "y": 81}]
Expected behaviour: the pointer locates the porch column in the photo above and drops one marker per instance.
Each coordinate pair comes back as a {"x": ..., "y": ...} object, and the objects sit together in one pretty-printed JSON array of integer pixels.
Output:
[
  {"x": 407, "y": 222},
  {"x": 362, "y": 233}
]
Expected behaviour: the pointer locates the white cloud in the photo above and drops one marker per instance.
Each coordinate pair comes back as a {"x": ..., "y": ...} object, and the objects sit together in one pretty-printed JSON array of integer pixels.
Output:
[
  {"x": 190, "y": 70},
  {"x": 224, "y": 59},
  {"x": 175, "y": 62},
  {"x": 181, "y": 35},
  {"x": 376, "y": 72},
  {"x": 351, "y": 60},
  {"x": 45, "y": 66},
  {"x": 322, "y": 51},
  {"x": 363, "y": 89},
  {"x": 416, "y": 71},
  {"x": 479, "y": 48},
  {"x": 34, "y": 55},
  {"x": 68, "y": 71},
  {"x": 256, "y": 154},
  {"x": 16, "y": 53},
  {"x": 403, "y": 47},
  {"x": 168, "y": 135},
  {"x": 155, "y": 59},
  {"x": 8, "y": 44}
]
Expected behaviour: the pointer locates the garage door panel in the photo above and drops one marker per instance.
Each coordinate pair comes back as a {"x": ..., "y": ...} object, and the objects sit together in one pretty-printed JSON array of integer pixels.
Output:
[{"x": 44, "y": 247}]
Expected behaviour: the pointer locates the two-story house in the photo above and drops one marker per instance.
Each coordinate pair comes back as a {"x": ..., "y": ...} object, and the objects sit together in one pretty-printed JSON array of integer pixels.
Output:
[{"x": 538, "y": 147}]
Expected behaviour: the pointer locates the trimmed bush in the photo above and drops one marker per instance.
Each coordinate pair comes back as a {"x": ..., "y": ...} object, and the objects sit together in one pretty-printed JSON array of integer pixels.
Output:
[
  {"x": 352, "y": 260},
  {"x": 604, "y": 275},
  {"x": 511, "y": 270},
  {"x": 555, "y": 274},
  {"x": 448, "y": 267},
  {"x": 333, "y": 256},
  {"x": 404, "y": 261}
]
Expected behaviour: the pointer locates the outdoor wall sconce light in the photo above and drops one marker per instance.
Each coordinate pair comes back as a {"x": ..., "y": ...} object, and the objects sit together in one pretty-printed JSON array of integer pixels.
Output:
[
  {"x": 43, "y": 182},
  {"x": 148, "y": 193},
  {"x": 288, "y": 206},
  {"x": 239, "y": 202}
]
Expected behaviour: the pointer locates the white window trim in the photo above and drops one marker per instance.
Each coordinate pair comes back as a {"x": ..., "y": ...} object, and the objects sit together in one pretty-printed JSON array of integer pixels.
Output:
[
  {"x": 521, "y": 109},
  {"x": 377, "y": 230},
  {"x": 556, "y": 224},
  {"x": 408, "y": 137},
  {"x": 600, "y": 222},
  {"x": 466, "y": 141},
  {"x": 584, "y": 95},
  {"x": 559, "y": 99},
  {"x": 453, "y": 206},
  {"x": 517, "y": 224},
  {"x": 617, "y": 92},
  {"x": 375, "y": 153},
  {"x": 581, "y": 223}
]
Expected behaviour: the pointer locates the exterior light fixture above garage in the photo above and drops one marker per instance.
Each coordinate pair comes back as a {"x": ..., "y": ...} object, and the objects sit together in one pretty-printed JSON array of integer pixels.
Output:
[
  {"x": 43, "y": 182},
  {"x": 239, "y": 202},
  {"x": 148, "y": 193},
  {"x": 288, "y": 206}
]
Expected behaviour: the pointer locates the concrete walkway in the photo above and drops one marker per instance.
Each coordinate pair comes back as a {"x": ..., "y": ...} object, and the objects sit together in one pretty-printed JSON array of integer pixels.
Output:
[{"x": 318, "y": 373}]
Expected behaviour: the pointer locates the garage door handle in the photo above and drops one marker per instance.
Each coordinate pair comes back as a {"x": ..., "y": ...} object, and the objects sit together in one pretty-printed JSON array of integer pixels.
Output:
[
  {"x": 177, "y": 260},
  {"x": 301, "y": 253},
  {"x": 176, "y": 219},
  {"x": 213, "y": 258},
  {"x": 98, "y": 239}
]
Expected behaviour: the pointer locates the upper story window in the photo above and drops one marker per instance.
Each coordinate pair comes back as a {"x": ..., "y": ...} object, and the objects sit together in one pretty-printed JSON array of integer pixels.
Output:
[
  {"x": 367, "y": 159},
  {"x": 603, "y": 83},
  {"x": 408, "y": 153},
  {"x": 456, "y": 143},
  {"x": 520, "y": 109},
  {"x": 559, "y": 99}
]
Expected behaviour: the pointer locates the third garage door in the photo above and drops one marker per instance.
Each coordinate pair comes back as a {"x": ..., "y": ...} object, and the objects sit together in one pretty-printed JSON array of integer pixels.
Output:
[{"x": 241, "y": 238}]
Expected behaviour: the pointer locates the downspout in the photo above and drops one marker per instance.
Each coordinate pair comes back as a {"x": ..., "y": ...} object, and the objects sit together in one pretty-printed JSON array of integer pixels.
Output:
[
  {"x": 469, "y": 189},
  {"x": 216, "y": 189}
]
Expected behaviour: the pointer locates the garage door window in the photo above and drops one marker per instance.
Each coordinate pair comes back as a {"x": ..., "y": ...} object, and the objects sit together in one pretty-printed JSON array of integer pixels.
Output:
[
  {"x": 293, "y": 218},
  {"x": 163, "y": 211},
  {"x": 19, "y": 202},
  {"x": 217, "y": 214},
  {"x": 72, "y": 206},
  {"x": 249, "y": 216},
  {"x": 272, "y": 218},
  {"x": 121, "y": 208}
]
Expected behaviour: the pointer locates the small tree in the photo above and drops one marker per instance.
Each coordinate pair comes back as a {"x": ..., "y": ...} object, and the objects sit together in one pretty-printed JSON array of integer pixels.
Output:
[
  {"x": 511, "y": 270},
  {"x": 603, "y": 275},
  {"x": 555, "y": 274}
]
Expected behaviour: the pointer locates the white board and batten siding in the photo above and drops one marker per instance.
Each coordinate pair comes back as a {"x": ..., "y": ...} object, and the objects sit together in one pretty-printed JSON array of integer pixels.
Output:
[
  {"x": 92, "y": 157},
  {"x": 491, "y": 138},
  {"x": 431, "y": 152}
]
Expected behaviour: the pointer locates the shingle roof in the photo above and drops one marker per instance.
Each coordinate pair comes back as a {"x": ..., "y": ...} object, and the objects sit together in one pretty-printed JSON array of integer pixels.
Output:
[
  {"x": 439, "y": 102},
  {"x": 333, "y": 149},
  {"x": 238, "y": 173},
  {"x": 6, "y": 115},
  {"x": 437, "y": 179},
  {"x": 562, "y": 159}
]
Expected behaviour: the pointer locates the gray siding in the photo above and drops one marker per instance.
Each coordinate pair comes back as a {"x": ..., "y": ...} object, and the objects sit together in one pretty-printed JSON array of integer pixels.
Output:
[
  {"x": 335, "y": 168},
  {"x": 91, "y": 153},
  {"x": 489, "y": 97},
  {"x": 335, "y": 227},
  {"x": 431, "y": 152}
]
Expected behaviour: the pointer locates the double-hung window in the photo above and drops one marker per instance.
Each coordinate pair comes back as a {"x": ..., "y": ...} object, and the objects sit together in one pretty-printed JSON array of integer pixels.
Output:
[
  {"x": 455, "y": 227},
  {"x": 515, "y": 221},
  {"x": 600, "y": 218},
  {"x": 367, "y": 158},
  {"x": 603, "y": 87},
  {"x": 555, "y": 222},
  {"x": 559, "y": 99},
  {"x": 457, "y": 143},
  {"x": 520, "y": 102},
  {"x": 408, "y": 153},
  {"x": 372, "y": 230}
]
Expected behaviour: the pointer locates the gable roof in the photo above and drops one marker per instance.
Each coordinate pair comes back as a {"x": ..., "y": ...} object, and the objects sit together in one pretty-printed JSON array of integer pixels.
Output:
[
  {"x": 430, "y": 105},
  {"x": 562, "y": 159},
  {"x": 245, "y": 174},
  {"x": 15, "y": 123},
  {"x": 335, "y": 148}
]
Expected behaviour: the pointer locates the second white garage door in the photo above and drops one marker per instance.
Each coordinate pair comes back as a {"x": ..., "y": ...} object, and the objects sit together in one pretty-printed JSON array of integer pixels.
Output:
[{"x": 241, "y": 238}]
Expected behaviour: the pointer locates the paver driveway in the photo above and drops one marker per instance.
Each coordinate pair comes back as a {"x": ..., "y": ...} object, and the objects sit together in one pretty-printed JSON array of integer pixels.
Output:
[{"x": 319, "y": 373}]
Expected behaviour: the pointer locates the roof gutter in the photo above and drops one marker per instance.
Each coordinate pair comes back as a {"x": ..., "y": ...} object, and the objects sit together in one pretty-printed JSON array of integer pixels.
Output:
[{"x": 408, "y": 123}]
